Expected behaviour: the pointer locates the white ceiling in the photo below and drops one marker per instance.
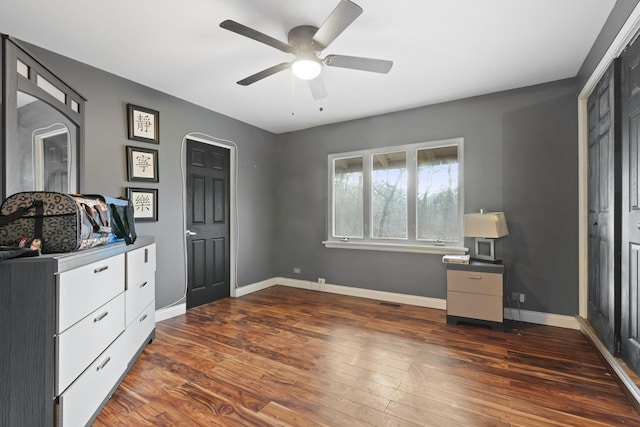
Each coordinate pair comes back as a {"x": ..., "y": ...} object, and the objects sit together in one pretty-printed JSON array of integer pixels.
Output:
[{"x": 442, "y": 50}]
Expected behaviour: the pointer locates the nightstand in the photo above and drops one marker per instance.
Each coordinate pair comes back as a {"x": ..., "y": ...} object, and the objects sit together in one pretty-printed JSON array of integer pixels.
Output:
[{"x": 474, "y": 294}]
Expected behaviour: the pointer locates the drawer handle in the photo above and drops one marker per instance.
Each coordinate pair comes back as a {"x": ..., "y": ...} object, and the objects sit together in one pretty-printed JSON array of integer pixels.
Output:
[
  {"x": 474, "y": 277},
  {"x": 100, "y": 269},
  {"x": 143, "y": 285},
  {"x": 103, "y": 364},
  {"x": 143, "y": 317},
  {"x": 102, "y": 316}
]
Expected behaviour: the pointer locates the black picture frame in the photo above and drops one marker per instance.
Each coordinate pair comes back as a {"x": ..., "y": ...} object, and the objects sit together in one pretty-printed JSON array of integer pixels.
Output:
[
  {"x": 142, "y": 164},
  {"x": 143, "y": 124},
  {"x": 145, "y": 203}
]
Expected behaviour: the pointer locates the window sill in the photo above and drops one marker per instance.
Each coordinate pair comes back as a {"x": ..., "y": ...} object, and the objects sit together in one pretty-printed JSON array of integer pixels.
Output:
[{"x": 394, "y": 247}]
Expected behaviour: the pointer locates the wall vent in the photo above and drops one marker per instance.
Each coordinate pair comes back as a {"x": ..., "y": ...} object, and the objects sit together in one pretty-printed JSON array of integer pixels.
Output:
[{"x": 390, "y": 304}]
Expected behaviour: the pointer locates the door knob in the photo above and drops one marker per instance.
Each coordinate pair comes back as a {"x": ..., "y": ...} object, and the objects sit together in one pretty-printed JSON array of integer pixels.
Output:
[{"x": 190, "y": 233}]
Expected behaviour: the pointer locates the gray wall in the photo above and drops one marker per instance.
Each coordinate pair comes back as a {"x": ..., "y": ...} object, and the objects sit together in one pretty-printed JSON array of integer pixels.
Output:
[
  {"x": 105, "y": 168},
  {"x": 520, "y": 154},
  {"x": 520, "y": 157}
]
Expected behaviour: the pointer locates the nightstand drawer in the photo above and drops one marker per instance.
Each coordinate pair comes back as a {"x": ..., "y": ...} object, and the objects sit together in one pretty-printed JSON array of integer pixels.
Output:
[
  {"x": 484, "y": 307},
  {"x": 474, "y": 282}
]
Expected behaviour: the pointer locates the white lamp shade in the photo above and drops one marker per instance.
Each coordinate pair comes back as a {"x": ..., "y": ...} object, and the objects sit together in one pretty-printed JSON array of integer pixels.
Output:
[
  {"x": 306, "y": 68},
  {"x": 490, "y": 225}
]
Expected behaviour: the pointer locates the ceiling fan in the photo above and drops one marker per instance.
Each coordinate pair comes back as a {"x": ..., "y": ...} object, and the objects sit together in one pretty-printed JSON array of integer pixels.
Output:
[{"x": 306, "y": 42}]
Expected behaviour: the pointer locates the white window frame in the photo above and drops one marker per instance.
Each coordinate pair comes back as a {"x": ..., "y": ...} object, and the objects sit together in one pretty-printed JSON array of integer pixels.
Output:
[{"x": 411, "y": 243}]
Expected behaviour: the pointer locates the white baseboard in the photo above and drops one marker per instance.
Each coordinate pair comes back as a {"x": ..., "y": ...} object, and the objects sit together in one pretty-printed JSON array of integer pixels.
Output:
[
  {"x": 364, "y": 293},
  {"x": 255, "y": 287},
  {"x": 171, "y": 311},
  {"x": 528, "y": 316},
  {"x": 548, "y": 319}
]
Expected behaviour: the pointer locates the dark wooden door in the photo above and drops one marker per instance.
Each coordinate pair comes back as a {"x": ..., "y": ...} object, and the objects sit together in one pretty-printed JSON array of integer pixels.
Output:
[
  {"x": 207, "y": 223},
  {"x": 630, "y": 103},
  {"x": 55, "y": 163},
  {"x": 604, "y": 210}
]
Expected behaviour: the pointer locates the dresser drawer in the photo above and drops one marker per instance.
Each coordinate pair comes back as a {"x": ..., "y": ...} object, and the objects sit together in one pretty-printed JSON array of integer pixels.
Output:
[
  {"x": 474, "y": 282},
  {"x": 79, "y": 345},
  {"x": 83, "y": 398},
  {"x": 137, "y": 332},
  {"x": 138, "y": 296},
  {"x": 84, "y": 289},
  {"x": 141, "y": 263}
]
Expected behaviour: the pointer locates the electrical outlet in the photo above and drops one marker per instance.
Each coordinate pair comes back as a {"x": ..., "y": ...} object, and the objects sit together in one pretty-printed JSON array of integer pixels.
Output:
[
  {"x": 296, "y": 270},
  {"x": 518, "y": 296},
  {"x": 321, "y": 280}
]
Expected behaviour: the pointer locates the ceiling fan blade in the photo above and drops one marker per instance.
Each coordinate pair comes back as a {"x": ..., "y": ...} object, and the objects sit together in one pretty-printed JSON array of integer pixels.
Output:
[
  {"x": 357, "y": 63},
  {"x": 318, "y": 88},
  {"x": 342, "y": 16},
  {"x": 264, "y": 73},
  {"x": 255, "y": 35}
]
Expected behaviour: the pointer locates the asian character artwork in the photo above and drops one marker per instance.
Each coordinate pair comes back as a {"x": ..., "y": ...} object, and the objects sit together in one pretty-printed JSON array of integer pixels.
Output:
[
  {"x": 142, "y": 164},
  {"x": 145, "y": 203},
  {"x": 143, "y": 124}
]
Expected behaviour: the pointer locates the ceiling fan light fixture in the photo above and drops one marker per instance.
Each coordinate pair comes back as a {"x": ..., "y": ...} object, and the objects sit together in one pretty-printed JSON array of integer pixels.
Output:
[{"x": 306, "y": 68}]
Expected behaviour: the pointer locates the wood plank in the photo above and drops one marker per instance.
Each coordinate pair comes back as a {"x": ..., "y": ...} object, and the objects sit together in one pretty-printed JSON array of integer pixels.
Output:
[{"x": 293, "y": 357}]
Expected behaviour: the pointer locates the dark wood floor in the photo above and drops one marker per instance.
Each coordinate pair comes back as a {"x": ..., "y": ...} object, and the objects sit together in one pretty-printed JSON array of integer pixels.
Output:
[{"x": 291, "y": 357}]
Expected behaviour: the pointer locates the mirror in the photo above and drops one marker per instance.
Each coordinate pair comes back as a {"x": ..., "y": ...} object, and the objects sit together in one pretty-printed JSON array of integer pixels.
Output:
[
  {"x": 42, "y": 154},
  {"x": 43, "y": 117}
]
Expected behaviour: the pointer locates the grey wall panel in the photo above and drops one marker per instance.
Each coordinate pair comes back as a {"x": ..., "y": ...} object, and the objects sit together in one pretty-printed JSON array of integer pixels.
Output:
[
  {"x": 540, "y": 195},
  {"x": 105, "y": 168},
  {"x": 513, "y": 141},
  {"x": 610, "y": 30}
]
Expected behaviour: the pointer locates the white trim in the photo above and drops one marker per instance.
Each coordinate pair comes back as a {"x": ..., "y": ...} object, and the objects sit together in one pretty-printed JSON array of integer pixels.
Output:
[
  {"x": 427, "y": 302},
  {"x": 255, "y": 287},
  {"x": 624, "y": 37},
  {"x": 38, "y": 136},
  {"x": 395, "y": 247},
  {"x": 368, "y": 242},
  {"x": 583, "y": 210},
  {"x": 627, "y": 384},
  {"x": 540, "y": 318},
  {"x": 171, "y": 311}
]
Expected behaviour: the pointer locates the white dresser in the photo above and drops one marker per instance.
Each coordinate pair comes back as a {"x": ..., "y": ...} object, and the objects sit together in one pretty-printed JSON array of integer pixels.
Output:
[{"x": 74, "y": 325}]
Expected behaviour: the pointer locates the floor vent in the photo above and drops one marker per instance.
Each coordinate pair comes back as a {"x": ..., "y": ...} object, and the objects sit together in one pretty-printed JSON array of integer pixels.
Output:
[{"x": 390, "y": 304}]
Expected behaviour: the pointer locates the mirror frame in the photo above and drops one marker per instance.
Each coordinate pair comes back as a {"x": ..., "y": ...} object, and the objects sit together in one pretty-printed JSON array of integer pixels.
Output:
[{"x": 11, "y": 51}]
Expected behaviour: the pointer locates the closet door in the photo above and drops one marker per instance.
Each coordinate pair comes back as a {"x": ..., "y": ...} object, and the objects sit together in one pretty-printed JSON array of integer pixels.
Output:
[
  {"x": 604, "y": 210},
  {"x": 630, "y": 103}
]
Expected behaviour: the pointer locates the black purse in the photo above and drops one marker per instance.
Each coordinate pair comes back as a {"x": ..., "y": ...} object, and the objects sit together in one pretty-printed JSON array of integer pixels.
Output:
[{"x": 8, "y": 252}]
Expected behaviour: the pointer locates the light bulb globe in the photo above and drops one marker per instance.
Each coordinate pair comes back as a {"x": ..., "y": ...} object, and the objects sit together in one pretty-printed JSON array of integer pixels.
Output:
[{"x": 306, "y": 68}]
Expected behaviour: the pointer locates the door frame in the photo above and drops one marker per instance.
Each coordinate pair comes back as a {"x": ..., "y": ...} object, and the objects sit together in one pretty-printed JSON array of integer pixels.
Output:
[
  {"x": 624, "y": 37},
  {"x": 39, "y": 135},
  {"x": 233, "y": 212}
]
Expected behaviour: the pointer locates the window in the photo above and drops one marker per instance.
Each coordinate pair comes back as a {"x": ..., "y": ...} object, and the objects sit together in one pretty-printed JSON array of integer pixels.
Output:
[{"x": 406, "y": 198}]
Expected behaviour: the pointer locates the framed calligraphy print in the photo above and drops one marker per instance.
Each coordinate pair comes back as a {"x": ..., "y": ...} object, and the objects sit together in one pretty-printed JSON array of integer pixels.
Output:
[
  {"x": 145, "y": 203},
  {"x": 144, "y": 124},
  {"x": 142, "y": 164}
]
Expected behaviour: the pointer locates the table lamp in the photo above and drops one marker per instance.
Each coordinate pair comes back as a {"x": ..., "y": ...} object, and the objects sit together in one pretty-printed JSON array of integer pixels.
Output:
[{"x": 485, "y": 227}]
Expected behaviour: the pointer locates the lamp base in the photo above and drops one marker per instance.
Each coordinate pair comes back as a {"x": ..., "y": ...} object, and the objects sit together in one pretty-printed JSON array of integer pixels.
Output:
[{"x": 485, "y": 249}]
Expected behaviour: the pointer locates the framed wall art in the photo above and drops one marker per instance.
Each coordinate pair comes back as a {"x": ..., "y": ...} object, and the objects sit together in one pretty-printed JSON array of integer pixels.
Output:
[
  {"x": 142, "y": 164},
  {"x": 145, "y": 203},
  {"x": 143, "y": 124}
]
